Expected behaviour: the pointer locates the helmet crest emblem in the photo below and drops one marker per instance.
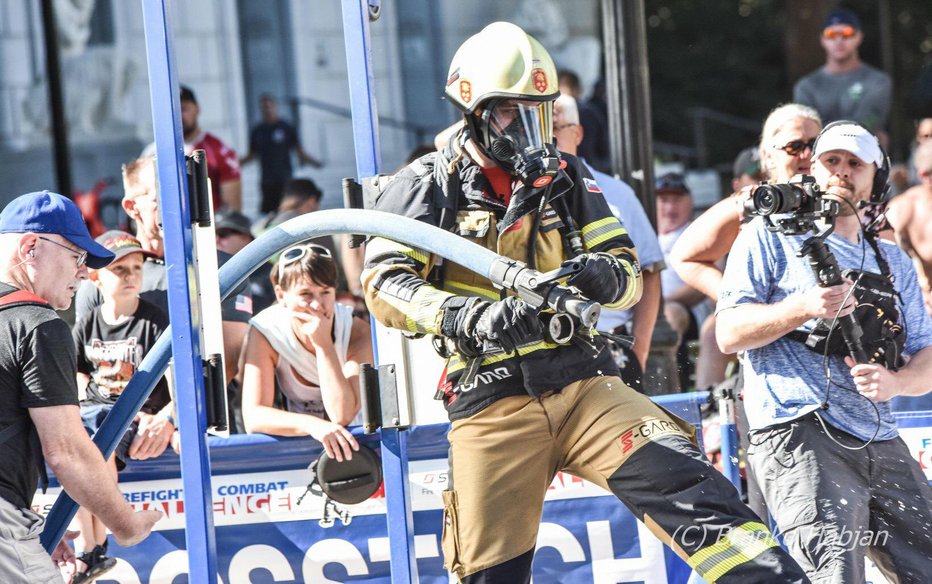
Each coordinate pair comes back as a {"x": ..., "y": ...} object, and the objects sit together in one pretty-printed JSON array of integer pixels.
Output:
[
  {"x": 540, "y": 80},
  {"x": 466, "y": 90}
]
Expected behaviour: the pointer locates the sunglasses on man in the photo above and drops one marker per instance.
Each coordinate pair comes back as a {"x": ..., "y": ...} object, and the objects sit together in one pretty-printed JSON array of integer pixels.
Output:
[
  {"x": 839, "y": 32},
  {"x": 796, "y": 147}
]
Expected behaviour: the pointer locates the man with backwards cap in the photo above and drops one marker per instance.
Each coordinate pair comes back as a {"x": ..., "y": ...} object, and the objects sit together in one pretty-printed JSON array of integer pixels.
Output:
[
  {"x": 837, "y": 478},
  {"x": 45, "y": 251}
]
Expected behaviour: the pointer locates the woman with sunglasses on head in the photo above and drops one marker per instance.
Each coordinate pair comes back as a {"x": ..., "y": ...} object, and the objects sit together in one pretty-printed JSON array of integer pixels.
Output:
[
  {"x": 307, "y": 348},
  {"x": 785, "y": 151}
]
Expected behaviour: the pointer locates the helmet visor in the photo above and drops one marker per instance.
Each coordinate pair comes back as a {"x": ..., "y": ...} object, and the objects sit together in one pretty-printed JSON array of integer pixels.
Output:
[{"x": 526, "y": 124}]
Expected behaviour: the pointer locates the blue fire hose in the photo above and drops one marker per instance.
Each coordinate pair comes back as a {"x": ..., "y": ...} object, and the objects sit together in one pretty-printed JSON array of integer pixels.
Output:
[{"x": 501, "y": 271}]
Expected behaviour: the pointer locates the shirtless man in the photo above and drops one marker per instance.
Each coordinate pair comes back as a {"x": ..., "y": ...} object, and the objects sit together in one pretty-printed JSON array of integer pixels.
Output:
[{"x": 910, "y": 214}]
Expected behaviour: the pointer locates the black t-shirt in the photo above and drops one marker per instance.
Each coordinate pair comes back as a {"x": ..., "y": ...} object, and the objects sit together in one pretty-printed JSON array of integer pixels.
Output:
[
  {"x": 110, "y": 354},
  {"x": 37, "y": 369},
  {"x": 236, "y": 308},
  {"x": 274, "y": 143}
]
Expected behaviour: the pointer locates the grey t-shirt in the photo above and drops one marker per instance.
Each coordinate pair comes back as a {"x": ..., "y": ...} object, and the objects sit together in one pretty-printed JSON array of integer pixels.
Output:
[
  {"x": 863, "y": 95},
  {"x": 785, "y": 380}
]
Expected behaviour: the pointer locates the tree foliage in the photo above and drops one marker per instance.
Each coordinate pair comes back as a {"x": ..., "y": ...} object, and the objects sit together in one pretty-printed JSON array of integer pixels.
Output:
[{"x": 742, "y": 57}]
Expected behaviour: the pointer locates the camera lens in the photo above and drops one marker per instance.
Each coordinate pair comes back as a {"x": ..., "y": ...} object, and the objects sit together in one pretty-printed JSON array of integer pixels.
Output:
[{"x": 767, "y": 200}]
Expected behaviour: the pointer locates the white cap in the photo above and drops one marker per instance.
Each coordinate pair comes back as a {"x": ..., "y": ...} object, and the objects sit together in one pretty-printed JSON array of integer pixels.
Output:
[
  {"x": 852, "y": 138},
  {"x": 566, "y": 106}
]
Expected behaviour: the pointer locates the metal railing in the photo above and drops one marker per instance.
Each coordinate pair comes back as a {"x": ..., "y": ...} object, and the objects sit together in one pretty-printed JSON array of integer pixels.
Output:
[
  {"x": 296, "y": 103},
  {"x": 702, "y": 115}
]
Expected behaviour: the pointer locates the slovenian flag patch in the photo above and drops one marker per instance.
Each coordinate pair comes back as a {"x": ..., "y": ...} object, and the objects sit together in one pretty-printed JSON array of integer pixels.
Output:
[{"x": 591, "y": 185}]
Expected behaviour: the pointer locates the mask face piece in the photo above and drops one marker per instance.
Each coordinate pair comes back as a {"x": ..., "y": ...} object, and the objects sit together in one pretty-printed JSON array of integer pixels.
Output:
[{"x": 518, "y": 135}]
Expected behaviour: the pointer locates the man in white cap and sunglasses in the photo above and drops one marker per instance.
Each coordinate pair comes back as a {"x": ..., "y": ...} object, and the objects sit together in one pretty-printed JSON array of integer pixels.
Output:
[
  {"x": 837, "y": 478},
  {"x": 45, "y": 251}
]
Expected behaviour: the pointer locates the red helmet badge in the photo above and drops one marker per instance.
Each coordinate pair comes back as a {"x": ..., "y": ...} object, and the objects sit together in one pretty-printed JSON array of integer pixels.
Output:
[
  {"x": 540, "y": 80},
  {"x": 465, "y": 90}
]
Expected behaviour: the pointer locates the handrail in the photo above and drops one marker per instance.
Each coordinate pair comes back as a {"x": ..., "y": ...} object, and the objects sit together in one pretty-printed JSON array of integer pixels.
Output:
[{"x": 344, "y": 112}]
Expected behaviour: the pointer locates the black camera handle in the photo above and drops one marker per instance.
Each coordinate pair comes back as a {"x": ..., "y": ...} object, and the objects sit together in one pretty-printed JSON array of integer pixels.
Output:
[{"x": 825, "y": 267}]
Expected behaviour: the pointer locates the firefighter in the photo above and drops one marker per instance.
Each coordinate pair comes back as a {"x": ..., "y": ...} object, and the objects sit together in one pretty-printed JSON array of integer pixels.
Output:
[{"x": 523, "y": 408}]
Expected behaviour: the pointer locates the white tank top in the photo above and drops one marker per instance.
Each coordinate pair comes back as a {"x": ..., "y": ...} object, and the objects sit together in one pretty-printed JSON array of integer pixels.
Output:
[{"x": 294, "y": 359}]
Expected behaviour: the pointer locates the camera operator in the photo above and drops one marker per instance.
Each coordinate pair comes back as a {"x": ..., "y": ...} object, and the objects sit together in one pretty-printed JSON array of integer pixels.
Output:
[{"x": 836, "y": 477}]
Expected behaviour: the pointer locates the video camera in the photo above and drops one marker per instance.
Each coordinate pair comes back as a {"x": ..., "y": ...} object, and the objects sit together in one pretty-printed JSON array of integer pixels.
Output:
[
  {"x": 799, "y": 203},
  {"x": 797, "y": 206}
]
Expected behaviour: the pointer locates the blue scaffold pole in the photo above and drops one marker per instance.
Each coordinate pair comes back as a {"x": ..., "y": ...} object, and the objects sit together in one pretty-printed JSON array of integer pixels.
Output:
[
  {"x": 729, "y": 428},
  {"x": 368, "y": 161},
  {"x": 176, "y": 220}
]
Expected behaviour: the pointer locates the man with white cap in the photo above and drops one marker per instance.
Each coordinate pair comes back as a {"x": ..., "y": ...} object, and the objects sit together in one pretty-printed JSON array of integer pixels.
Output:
[
  {"x": 45, "y": 251},
  {"x": 837, "y": 478}
]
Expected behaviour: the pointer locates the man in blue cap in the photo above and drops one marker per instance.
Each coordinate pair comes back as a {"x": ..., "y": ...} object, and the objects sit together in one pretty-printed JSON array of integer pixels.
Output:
[
  {"x": 45, "y": 251},
  {"x": 845, "y": 88}
]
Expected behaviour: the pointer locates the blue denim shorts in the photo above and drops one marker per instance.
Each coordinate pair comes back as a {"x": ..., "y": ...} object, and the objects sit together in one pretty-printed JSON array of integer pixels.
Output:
[{"x": 93, "y": 416}]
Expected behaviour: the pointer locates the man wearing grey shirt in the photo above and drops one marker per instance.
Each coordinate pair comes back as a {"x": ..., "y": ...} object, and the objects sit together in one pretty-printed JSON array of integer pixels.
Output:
[
  {"x": 846, "y": 88},
  {"x": 837, "y": 478}
]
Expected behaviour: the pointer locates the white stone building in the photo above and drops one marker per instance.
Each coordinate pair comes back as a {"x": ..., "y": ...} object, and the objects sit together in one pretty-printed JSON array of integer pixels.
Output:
[{"x": 229, "y": 52}]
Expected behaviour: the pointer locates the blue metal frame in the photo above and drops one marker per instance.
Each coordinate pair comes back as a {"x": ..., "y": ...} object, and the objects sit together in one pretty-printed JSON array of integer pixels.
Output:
[
  {"x": 182, "y": 292},
  {"x": 368, "y": 161}
]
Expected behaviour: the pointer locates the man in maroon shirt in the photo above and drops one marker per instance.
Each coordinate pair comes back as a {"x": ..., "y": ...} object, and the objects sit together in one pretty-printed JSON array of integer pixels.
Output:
[{"x": 222, "y": 161}]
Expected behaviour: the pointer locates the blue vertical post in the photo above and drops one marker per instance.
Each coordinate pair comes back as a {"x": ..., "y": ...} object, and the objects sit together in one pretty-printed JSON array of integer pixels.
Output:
[
  {"x": 368, "y": 160},
  {"x": 729, "y": 429},
  {"x": 182, "y": 293}
]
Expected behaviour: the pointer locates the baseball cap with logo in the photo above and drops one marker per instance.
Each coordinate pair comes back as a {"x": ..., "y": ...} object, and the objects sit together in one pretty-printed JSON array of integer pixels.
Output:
[
  {"x": 120, "y": 243},
  {"x": 47, "y": 212},
  {"x": 850, "y": 137}
]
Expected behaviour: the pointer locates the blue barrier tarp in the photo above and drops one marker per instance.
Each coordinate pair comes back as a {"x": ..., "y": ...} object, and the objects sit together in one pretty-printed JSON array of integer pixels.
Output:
[{"x": 264, "y": 534}]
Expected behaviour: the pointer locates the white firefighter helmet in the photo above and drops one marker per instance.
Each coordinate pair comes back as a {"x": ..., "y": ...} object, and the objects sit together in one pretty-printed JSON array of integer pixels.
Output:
[{"x": 500, "y": 61}]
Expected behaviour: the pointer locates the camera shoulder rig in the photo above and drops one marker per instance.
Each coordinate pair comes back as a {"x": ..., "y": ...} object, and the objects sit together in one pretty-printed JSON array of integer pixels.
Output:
[{"x": 877, "y": 312}]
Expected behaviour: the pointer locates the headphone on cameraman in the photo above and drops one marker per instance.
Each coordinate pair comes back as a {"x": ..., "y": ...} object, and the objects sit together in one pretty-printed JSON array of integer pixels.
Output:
[{"x": 880, "y": 187}]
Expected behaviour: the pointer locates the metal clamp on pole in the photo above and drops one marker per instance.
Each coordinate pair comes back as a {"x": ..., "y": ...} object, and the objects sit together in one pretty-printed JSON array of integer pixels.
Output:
[
  {"x": 370, "y": 401},
  {"x": 198, "y": 188},
  {"x": 352, "y": 199},
  {"x": 395, "y": 408},
  {"x": 218, "y": 419}
]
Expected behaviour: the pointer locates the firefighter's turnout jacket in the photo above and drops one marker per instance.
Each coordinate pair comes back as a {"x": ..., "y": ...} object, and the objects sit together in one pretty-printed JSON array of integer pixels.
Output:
[{"x": 396, "y": 276}]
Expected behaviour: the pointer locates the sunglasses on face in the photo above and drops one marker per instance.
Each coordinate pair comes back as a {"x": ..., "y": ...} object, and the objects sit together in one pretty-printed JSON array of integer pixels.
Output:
[
  {"x": 841, "y": 32},
  {"x": 796, "y": 147},
  {"x": 82, "y": 255},
  {"x": 294, "y": 254}
]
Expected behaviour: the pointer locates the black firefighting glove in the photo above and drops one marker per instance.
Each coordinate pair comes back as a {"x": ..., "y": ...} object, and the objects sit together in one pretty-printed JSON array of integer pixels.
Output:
[
  {"x": 602, "y": 278},
  {"x": 504, "y": 324}
]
